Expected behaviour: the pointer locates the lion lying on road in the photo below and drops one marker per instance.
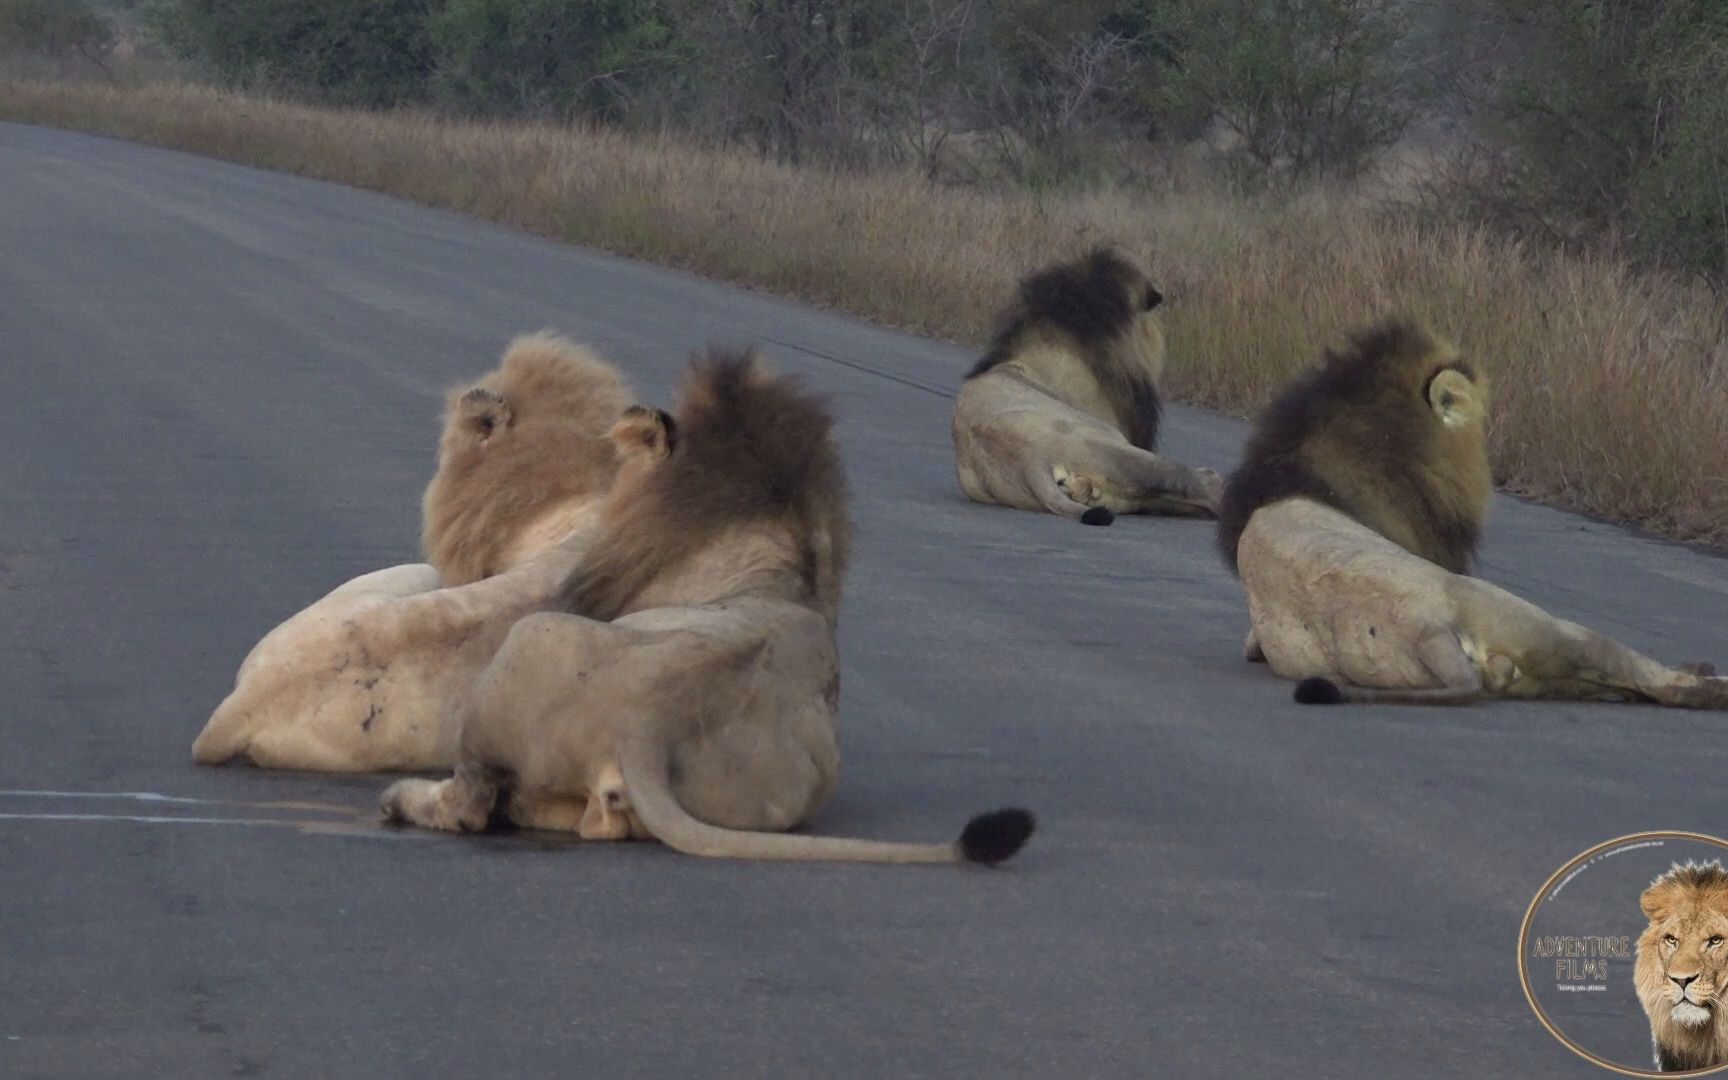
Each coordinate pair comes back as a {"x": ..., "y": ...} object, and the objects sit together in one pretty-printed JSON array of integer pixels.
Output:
[
  {"x": 691, "y": 692},
  {"x": 1062, "y": 413},
  {"x": 1681, "y": 971},
  {"x": 374, "y": 675},
  {"x": 1362, "y": 490}
]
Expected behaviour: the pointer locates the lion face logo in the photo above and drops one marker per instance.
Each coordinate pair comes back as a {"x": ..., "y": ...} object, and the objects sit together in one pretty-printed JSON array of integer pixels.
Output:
[
  {"x": 1682, "y": 965},
  {"x": 1688, "y": 949}
]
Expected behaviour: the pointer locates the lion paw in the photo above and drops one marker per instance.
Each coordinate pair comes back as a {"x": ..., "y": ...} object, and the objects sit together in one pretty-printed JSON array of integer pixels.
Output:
[
  {"x": 1209, "y": 484},
  {"x": 432, "y": 804},
  {"x": 1081, "y": 489}
]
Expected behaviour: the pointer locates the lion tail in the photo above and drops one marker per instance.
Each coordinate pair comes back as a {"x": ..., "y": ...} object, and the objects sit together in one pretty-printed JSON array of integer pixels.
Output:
[
  {"x": 987, "y": 839},
  {"x": 1319, "y": 691}
]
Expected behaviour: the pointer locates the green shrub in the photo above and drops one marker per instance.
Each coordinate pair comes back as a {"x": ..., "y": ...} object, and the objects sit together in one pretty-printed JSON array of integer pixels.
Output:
[
  {"x": 340, "y": 51},
  {"x": 1302, "y": 87},
  {"x": 558, "y": 57},
  {"x": 55, "y": 28},
  {"x": 1613, "y": 122}
]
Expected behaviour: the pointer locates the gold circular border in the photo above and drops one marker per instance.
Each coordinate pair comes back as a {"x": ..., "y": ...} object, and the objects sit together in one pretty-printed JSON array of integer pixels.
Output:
[{"x": 1524, "y": 934}]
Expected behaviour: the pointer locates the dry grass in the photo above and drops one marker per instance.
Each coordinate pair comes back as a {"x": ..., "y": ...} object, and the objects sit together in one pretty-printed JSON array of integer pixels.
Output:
[{"x": 1611, "y": 388}]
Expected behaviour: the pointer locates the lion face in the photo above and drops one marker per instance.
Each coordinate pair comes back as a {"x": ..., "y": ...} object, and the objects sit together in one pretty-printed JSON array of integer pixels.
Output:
[
  {"x": 1689, "y": 947},
  {"x": 1682, "y": 966}
]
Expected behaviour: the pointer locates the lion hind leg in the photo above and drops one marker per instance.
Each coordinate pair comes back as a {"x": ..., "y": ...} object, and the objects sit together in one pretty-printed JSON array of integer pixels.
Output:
[
  {"x": 1130, "y": 480},
  {"x": 462, "y": 803},
  {"x": 1577, "y": 662},
  {"x": 1445, "y": 657}
]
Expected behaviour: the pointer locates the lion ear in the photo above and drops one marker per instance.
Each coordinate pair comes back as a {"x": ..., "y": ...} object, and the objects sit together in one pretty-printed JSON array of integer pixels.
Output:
[
  {"x": 1657, "y": 901},
  {"x": 1453, "y": 398},
  {"x": 481, "y": 412}
]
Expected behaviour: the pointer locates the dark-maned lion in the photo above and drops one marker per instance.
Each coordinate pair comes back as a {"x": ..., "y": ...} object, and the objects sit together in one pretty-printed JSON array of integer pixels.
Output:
[
  {"x": 1361, "y": 493},
  {"x": 374, "y": 675},
  {"x": 1061, "y": 414},
  {"x": 689, "y": 690}
]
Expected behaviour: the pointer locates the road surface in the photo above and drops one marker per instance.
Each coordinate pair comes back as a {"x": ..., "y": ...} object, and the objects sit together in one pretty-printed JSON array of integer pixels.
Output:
[{"x": 220, "y": 399}]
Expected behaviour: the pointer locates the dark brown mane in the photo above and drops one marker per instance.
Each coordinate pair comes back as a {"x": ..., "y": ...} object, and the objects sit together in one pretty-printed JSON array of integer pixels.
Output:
[
  {"x": 1370, "y": 402},
  {"x": 751, "y": 446},
  {"x": 1091, "y": 300}
]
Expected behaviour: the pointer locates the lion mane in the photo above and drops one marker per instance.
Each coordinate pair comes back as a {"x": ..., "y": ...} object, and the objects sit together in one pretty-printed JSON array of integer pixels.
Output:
[
  {"x": 1096, "y": 301},
  {"x": 1359, "y": 434},
  {"x": 749, "y": 450},
  {"x": 1681, "y": 970},
  {"x": 523, "y": 449}
]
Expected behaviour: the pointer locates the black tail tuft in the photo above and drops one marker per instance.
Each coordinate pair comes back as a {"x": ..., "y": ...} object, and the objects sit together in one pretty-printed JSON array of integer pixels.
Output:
[
  {"x": 990, "y": 838},
  {"x": 1318, "y": 691},
  {"x": 1097, "y": 515}
]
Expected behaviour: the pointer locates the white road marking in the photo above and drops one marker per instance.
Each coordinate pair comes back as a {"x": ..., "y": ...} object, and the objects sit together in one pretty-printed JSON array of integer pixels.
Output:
[
  {"x": 367, "y": 827},
  {"x": 153, "y": 797}
]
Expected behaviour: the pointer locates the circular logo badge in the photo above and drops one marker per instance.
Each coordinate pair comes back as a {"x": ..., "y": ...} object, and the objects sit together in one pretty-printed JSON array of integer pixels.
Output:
[{"x": 1624, "y": 954}]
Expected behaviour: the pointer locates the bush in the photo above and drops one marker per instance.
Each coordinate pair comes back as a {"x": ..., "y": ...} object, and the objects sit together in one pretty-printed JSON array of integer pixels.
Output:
[
  {"x": 1305, "y": 87},
  {"x": 545, "y": 57},
  {"x": 1612, "y": 122},
  {"x": 338, "y": 51},
  {"x": 55, "y": 28}
]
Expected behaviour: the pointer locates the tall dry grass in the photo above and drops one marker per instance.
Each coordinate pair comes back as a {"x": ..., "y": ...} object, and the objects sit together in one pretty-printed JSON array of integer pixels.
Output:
[{"x": 1611, "y": 387}]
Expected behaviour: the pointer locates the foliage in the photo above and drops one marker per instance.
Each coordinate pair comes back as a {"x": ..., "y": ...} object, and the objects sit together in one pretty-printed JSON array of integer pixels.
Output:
[
  {"x": 55, "y": 28},
  {"x": 373, "y": 53},
  {"x": 540, "y": 57},
  {"x": 1613, "y": 120},
  {"x": 1304, "y": 87}
]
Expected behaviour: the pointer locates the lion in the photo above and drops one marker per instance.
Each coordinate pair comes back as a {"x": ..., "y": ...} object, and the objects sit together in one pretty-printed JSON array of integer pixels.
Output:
[
  {"x": 1351, "y": 521},
  {"x": 688, "y": 689},
  {"x": 1681, "y": 970},
  {"x": 373, "y": 676},
  {"x": 1061, "y": 414}
]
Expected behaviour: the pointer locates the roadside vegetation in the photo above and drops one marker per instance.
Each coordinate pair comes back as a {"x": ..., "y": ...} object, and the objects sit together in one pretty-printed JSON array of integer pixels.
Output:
[{"x": 1544, "y": 182}]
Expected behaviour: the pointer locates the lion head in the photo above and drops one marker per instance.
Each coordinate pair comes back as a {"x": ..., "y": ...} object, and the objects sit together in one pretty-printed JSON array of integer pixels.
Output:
[
  {"x": 524, "y": 452},
  {"x": 1389, "y": 431},
  {"x": 1098, "y": 308},
  {"x": 1682, "y": 967},
  {"x": 740, "y": 490}
]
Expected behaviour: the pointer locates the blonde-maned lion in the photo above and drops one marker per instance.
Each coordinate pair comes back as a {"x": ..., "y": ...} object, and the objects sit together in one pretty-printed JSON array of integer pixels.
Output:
[
  {"x": 688, "y": 691},
  {"x": 1351, "y": 520},
  {"x": 374, "y": 675},
  {"x": 1061, "y": 414},
  {"x": 1681, "y": 971}
]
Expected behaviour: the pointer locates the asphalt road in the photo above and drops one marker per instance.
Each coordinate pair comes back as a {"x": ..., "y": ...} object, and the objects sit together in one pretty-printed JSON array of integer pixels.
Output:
[{"x": 220, "y": 399}]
